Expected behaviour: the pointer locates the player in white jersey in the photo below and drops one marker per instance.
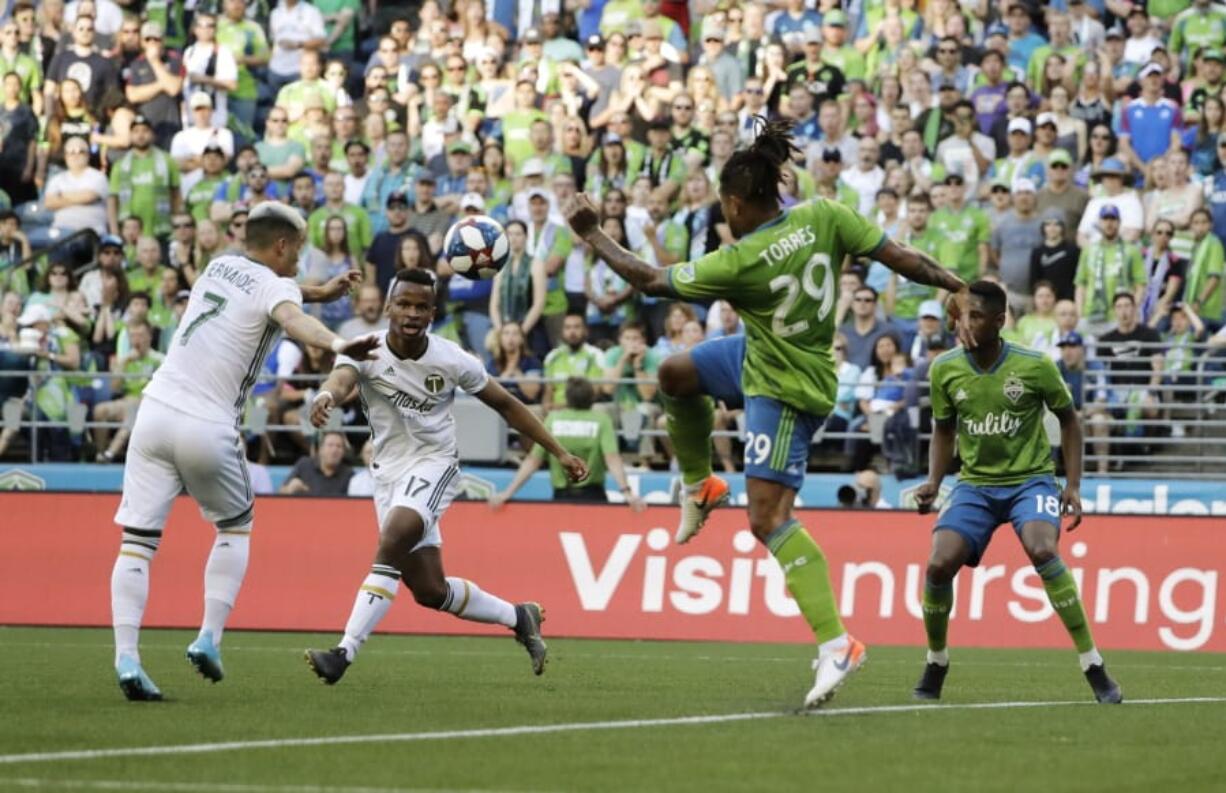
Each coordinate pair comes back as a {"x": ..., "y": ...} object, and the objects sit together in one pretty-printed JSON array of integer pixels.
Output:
[
  {"x": 407, "y": 391},
  {"x": 186, "y": 435}
]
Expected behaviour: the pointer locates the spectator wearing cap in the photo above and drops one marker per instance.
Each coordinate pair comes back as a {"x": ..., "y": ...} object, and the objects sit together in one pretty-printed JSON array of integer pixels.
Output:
[
  {"x": 77, "y": 195},
  {"x": 1000, "y": 199},
  {"x": 294, "y": 26},
  {"x": 828, "y": 180},
  {"x": 1060, "y": 42},
  {"x": 821, "y": 79},
  {"x": 662, "y": 68},
  {"x": 1020, "y": 161},
  {"x": 210, "y": 68},
  {"x": 1207, "y": 82},
  {"x": 1115, "y": 181},
  {"x": 837, "y": 51},
  {"x": 200, "y": 187},
  {"x": 155, "y": 84},
  {"x": 1108, "y": 266},
  {"x": 188, "y": 145},
  {"x": 1060, "y": 195},
  {"x": 967, "y": 151},
  {"x": 453, "y": 183},
  {"x": 1055, "y": 260},
  {"x": 1022, "y": 39},
  {"x": 1012, "y": 242},
  {"x": 1165, "y": 275},
  {"x": 381, "y": 256},
  {"x": 964, "y": 229},
  {"x": 1203, "y": 25},
  {"x": 1203, "y": 291},
  {"x": 1143, "y": 40},
  {"x": 716, "y": 56},
  {"x": 244, "y": 39},
  {"x": 81, "y": 61},
  {"x": 394, "y": 174},
  {"x": 357, "y": 221},
  {"x": 550, "y": 242},
  {"x": 1151, "y": 123},
  {"x": 793, "y": 23},
  {"x": 930, "y": 323},
  {"x": 144, "y": 183},
  {"x": 606, "y": 75},
  {"x": 1078, "y": 373}
]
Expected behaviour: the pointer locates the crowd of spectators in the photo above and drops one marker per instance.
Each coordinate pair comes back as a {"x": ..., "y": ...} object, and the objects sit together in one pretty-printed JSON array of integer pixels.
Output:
[{"x": 1073, "y": 150}]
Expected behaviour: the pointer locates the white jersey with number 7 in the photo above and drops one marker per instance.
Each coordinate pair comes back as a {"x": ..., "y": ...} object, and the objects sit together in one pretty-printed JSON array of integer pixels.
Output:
[{"x": 222, "y": 340}]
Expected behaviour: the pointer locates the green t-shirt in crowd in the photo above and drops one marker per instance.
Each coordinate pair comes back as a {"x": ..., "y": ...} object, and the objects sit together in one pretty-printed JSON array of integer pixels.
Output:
[
  {"x": 962, "y": 233},
  {"x": 627, "y": 393},
  {"x": 783, "y": 280},
  {"x": 1105, "y": 269},
  {"x": 28, "y": 71},
  {"x": 344, "y": 42},
  {"x": 563, "y": 362},
  {"x": 999, "y": 413},
  {"x": 586, "y": 434},
  {"x": 357, "y": 220},
  {"x": 145, "y": 365},
  {"x": 275, "y": 154},
  {"x": 908, "y": 295},
  {"x": 199, "y": 199},
  {"x": 244, "y": 39},
  {"x": 1207, "y": 261},
  {"x": 143, "y": 185}
]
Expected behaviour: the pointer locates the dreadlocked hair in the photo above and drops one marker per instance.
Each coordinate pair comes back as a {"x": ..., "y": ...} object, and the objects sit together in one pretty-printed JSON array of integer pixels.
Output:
[{"x": 753, "y": 174}]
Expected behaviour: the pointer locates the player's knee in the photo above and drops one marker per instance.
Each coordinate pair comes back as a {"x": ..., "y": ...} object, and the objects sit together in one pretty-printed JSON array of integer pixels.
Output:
[
  {"x": 1041, "y": 552},
  {"x": 429, "y": 594},
  {"x": 766, "y": 516},
  {"x": 399, "y": 537},
  {"x": 941, "y": 570},
  {"x": 676, "y": 376}
]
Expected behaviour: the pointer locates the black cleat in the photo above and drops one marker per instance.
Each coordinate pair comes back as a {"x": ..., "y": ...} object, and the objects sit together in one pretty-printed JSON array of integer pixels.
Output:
[
  {"x": 1106, "y": 690},
  {"x": 330, "y": 665},
  {"x": 528, "y": 619},
  {"x": 931, "y": 682}
]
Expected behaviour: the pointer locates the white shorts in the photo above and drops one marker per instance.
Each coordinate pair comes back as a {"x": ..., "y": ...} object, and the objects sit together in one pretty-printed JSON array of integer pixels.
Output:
[
  {"x": 171, "y": 452},
  {"x": 427, "y": 487}
]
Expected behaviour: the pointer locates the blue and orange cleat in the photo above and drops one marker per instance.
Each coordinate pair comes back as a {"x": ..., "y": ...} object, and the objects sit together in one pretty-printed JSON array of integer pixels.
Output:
[{"x": 832, "y": 670}]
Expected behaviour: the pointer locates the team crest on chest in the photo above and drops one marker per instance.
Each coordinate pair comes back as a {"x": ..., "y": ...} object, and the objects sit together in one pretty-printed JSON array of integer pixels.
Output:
[
  {"x": 1014, "y": 388},
  {"x": 434, "y": 383}
]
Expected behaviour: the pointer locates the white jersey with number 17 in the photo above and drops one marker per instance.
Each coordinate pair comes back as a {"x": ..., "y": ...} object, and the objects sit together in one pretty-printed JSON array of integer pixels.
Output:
[{"x": 222, "y": 339}]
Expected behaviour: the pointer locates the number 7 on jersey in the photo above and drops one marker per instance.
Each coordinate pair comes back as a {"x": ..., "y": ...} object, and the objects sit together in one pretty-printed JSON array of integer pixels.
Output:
[{"x": 219, "y": 303}]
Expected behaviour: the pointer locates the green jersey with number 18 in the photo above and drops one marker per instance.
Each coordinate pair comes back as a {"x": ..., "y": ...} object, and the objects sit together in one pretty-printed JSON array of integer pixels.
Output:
[
  {"x": 782, "y": 278},
  {"x": 1001, "y": 438}
]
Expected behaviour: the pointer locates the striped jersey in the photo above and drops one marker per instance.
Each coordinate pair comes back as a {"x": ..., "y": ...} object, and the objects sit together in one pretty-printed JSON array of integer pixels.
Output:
[
  {"x": 222, "y": 340},
  {"x": 408, "y": 402}
]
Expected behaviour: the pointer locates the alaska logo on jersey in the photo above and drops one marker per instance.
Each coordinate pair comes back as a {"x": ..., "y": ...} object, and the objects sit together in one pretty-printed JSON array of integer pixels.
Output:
[
  {"x": 402, "y": 400},
  {"x": 1005, "y": 424},
  {"x": 434, "y": 383},
  {"x": 1014, "y": 388}
]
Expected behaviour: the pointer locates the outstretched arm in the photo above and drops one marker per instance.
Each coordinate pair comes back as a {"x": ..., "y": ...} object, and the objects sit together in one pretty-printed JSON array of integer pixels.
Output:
[
  {"x": 308, "y": 330},
  {"x": 917, "y": 266},
  {"x": 334, "y": 289},
  {"x": 522, "y": 420},
  {"x": 585, "y": 220},
  {"x": 332, "y": 393}
]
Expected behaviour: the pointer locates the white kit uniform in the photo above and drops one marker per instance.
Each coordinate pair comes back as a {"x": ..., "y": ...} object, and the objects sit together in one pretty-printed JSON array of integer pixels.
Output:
[
  {"x": 186, "y": 434},
  {"x": 408, "y": 403}
]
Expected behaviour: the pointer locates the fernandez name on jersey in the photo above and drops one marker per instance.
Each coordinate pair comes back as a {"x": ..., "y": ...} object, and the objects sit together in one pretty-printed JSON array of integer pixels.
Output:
[{"x": 408, "y": 402}]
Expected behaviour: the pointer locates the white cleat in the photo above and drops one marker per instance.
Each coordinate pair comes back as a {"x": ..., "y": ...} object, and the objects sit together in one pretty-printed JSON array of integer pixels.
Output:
[
  {"x": 832, "y": 670},
  {"x": 697, "y": 507}
]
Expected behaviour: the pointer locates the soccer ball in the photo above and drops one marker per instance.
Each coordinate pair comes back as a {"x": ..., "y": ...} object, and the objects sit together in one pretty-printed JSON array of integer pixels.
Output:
[{"x": 476, "y": 247}]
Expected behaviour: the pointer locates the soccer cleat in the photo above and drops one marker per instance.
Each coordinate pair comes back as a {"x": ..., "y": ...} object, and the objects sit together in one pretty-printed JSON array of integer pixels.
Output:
[
  {"x": 330, "y": 665},
  {"x": 528, "y": 619},
  {"x": 1106, "y": 690},
  {"x": 931, "y": 682},
  {"x": 205, "y": 656},
  {"x": 133, "y": 681},
  {"x": 696, "y": 507},
  {"x": 832, "y": 670}
]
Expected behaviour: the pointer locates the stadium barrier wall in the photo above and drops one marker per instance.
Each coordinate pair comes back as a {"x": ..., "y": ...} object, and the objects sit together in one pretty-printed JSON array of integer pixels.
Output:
[{"x": 603, "y": 571}]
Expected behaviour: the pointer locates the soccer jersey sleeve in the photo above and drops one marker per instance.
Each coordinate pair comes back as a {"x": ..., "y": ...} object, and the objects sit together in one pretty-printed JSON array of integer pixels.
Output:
[
  {"x": 470, "y": 375},
  {"x": 1055, "y": 391},
  {"x": 276, "y": 291},
  {"x": 714, "y": 275},
  {"x": 942, "y": 408}
]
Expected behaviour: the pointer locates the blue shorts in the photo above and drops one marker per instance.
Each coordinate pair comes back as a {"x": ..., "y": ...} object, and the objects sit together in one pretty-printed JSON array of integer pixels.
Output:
[
  {"x": 777, "y": 435},
  {"x": 974, "y": 511}
]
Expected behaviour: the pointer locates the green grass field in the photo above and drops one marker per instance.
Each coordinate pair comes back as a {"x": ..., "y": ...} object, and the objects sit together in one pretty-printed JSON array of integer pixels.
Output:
[{"x": 459, "y": 713}]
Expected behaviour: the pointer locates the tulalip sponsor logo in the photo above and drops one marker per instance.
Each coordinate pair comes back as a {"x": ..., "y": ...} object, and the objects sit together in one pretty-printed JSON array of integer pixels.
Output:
[{"x": 1005, "y": 424}]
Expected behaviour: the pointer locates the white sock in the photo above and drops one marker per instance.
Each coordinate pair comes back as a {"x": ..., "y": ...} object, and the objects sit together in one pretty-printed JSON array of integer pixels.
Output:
[
  {"x": 835, "y": 645},
  {"x": 1090, "y": 658},
  {"x": 130, "y": 588},
  {"x": 223, "y": 577},
  {"x": 374, "y": 598},
  {"x": 940, "y": 657},
  {"x": 468, "y": 602},
  {"x": 694, "y": 488}
]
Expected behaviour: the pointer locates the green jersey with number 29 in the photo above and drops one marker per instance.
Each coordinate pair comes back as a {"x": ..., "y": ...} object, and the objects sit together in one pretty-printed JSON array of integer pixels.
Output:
[{"x": 783, "y": 279}]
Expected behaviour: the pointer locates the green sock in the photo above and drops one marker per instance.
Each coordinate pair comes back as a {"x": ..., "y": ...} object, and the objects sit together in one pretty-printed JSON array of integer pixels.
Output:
[
  {"x": 690, "y": 420},
  {"x": 808, "y": 578},
  {"x": 938, "y": 602},
  {"x": 1062, "y": 592}
]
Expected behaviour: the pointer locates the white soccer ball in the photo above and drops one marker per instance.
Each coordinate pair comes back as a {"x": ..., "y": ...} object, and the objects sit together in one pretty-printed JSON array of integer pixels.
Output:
[{"x": 476, "y": 247}]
